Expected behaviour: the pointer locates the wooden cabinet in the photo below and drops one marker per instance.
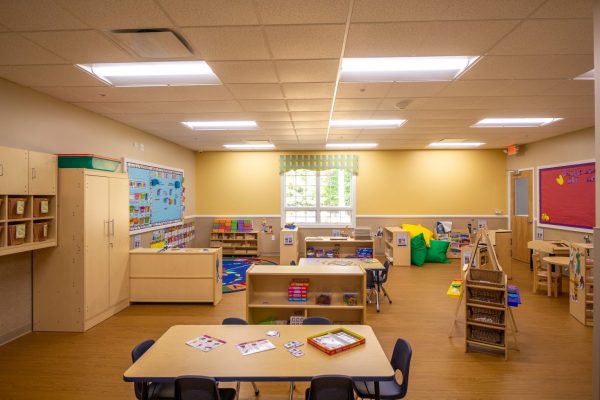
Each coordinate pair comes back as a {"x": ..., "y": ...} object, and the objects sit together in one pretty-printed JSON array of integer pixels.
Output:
[
  {"x": 267, "y": 293},
  {"x": 502, "y": 241},
  {"x": 397, "y": 246},
  {"x": 288, "y": 246},
  {"x": 42, "y": 173},
  {"x": 581, "y": 283},
  {"x": 176, "y": 275},
  {"x": 237, "y": 243},
  {"x": 85, "y": 279},
  {"x": 326, "y": 246},
  {"x": 27, "y": 211}
]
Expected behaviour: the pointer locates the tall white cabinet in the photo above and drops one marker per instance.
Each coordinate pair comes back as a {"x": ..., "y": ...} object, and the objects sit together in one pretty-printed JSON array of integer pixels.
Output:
[{"x": 85, "y": 279}]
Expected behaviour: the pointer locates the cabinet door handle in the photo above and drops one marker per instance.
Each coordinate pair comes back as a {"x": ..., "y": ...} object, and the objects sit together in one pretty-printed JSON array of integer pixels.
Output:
[
  {"x": 107, "y": 227},
  {"x": 33, "y": 173},
  {"x": 112, "y": 231}
]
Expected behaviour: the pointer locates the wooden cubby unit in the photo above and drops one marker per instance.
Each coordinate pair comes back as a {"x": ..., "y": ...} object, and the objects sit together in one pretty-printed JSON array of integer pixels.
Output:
[
  {"x": 396, "y": 245},
  {"x": 581, "y": 283},
  {"x": 486, "y": 310},
  {"x": 236, "y": 243},
  {"x": 345, "y": 247},
  {"x": 267, "y": 293}
]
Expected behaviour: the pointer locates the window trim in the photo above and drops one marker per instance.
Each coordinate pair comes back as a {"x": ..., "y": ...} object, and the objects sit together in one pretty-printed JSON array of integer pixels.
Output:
[{"x": 318, "y": 207}]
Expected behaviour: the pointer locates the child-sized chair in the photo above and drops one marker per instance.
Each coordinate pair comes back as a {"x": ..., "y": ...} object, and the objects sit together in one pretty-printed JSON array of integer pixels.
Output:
[{"x": 544, "y": 276}]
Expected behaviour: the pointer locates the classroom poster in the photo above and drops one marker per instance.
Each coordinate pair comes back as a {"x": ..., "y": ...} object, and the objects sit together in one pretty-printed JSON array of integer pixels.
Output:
[
  {"x": 156, "y": 196},
  {"x": 567, "y": 195}
]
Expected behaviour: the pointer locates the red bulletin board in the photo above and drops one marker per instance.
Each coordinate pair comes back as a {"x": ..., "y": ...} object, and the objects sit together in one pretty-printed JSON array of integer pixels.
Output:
[{"x": 567, "y": 195}]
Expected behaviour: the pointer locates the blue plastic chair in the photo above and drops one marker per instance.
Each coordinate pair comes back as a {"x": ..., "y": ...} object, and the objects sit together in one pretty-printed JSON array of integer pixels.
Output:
[
  {"x": 316, "y": 321},
  {"x": 330, "y": 387},
  {"x": 193, "y": 387},
  {"x": 157, "y": 391}
]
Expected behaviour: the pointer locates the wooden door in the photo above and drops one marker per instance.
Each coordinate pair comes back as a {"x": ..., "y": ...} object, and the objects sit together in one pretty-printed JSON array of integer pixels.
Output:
[
  {"x": 521, "y": 210},
  {"x": 42, "y": 173},
  {"x": 13, "y": 171},
  {"x": 96, "y": 254},
  {"x": 119, "y": 240}
]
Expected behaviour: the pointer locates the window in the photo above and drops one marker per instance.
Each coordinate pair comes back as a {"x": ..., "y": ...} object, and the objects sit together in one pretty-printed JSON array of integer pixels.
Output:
[{"x": 322, "y": 198}]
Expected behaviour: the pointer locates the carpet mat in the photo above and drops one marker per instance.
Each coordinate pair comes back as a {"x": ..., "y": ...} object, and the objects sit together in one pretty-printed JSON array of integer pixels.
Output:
[{"x": 234, "y": 272}]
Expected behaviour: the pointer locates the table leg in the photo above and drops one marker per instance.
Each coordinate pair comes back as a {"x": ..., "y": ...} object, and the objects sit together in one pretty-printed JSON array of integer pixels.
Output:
[
  {"x": 377, "y": 396},
  {"x": 550, "y": 268}
]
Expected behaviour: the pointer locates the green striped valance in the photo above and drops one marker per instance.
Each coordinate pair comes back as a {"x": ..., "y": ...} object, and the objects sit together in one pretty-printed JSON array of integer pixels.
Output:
[{"x": 316, "y": 162}]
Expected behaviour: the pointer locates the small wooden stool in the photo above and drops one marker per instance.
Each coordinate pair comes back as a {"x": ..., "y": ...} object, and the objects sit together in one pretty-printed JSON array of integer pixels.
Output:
[{"x": 555, "y": 263}]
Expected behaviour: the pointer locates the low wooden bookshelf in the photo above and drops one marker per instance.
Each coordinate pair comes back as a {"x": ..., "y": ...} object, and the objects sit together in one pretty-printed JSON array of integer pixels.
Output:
[
  {"x": 581, "y": 283},
  {"x": 237, "y": 244},
  {"x": 397, "y": 246},
  {"x": 342, "y": 247}
]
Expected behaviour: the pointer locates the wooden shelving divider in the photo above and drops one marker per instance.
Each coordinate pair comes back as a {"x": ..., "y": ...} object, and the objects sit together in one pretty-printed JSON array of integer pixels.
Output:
[
  {"x": 397, "y": 246},
  {"x": 581, "y": 283},
  {"x": 237, "y": 243},
  {"x": 341, "y": 248},
  {"x": 288, "y": 246},
  {"x": 267, "y": 293}
]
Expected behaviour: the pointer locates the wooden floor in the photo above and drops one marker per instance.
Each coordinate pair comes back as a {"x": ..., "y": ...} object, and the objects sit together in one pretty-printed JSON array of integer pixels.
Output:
[{"x": 554, "y": 362}]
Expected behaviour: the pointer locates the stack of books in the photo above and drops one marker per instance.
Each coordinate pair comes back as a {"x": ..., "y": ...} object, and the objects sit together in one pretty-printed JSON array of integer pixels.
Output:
[{"x": 298, "y": 290}]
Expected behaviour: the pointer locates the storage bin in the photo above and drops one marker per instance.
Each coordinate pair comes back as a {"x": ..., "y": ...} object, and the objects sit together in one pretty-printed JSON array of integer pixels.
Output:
[
  {"x": 41, "y": 207},
  {"x": 41, "y": 231},
  {"x": 17, "y": 233},
  {"x": 487, "y": 296},
  {"x": 485, "y": 335},
  {"x": 485, "y": 315},
  {"x": 90, "y": 161},
  {"x": 17, "y": 207},
  {"x": 490, "y": 277}
]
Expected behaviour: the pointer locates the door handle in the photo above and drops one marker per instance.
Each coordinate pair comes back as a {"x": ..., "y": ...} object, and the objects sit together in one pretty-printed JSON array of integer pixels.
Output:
[{"x": 530, "y": 221}]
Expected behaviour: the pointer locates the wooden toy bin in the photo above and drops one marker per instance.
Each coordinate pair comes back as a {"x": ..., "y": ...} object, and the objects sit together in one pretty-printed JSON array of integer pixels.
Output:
[
  {"x": 13, "y": 240},
  {"x": 41, "y": 231},
  {"x": 41, "y": 207},
  {"x": 15, "y": 205}
]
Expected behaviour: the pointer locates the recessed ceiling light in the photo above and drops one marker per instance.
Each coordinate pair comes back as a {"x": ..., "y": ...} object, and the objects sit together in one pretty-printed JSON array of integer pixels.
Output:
[
  {"x": 366, "y": 123},
  {"x": 220, "y": 125},
  {"x": 514, "y": 122},
  {"x": 386, "y": 69},
  {"x": 255, "y": 146},
  {"x": 454, "y": 145},
  {"x": 351, "y": 145},
  {"x": 586, "y": 76},
  {"x": 168, "y": 73}
]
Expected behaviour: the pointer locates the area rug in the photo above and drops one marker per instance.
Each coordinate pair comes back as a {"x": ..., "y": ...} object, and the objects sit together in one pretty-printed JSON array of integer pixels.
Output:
[{"x": 234, "y": 272}]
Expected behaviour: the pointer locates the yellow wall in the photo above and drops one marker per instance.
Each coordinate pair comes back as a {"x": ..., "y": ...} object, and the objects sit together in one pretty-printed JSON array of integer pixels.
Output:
[{"x": 389, "y": 182}]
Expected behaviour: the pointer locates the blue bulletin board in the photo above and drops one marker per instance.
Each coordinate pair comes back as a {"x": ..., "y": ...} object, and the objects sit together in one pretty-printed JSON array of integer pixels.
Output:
[{"x": 156, "y": 196}]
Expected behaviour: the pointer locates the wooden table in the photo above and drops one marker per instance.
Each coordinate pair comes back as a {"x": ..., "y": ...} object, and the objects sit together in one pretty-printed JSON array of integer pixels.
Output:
[
  {"x": 370, "y": 265},
  {"x": 170, "y": 357},
  {"x": 552, "y": 261}
]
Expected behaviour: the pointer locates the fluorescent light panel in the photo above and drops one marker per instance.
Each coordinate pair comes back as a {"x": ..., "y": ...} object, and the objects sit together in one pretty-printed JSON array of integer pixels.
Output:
[
  {"x": 351, "y": 145},
  {"x": 170, "y": 73},
  {"x": 366, "y": 123},
  {"x": 454, "y": 145},
  {"x": 220, "y": 125},
  {"x": 586, "y": 76},
  {"x": 265, "y": 146},
  {"x": 514, "y": 122},
  {"x": 386, "y": 69}
]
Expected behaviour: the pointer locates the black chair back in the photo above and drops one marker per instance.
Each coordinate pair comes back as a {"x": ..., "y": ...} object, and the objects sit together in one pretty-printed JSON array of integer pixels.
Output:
[
  {"x": 234, "y": 321},
  {"x": 136, "y": 353},
  {"x": 196, "y": 388},
  {"x": 316, "y": 321},
  {"x": 331, "y": 387},
  {"x": 401, "y": 361},
  {"x": 384, "y": 274}
]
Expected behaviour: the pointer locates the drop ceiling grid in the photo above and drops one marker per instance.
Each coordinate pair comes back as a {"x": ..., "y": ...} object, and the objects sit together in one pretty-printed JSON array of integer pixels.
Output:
[{"x": 278, "y": 61}]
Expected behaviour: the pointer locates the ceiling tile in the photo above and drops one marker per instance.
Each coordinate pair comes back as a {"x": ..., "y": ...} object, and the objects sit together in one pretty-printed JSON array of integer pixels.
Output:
[
  {"x": 352, "y": 114},
  {"x": 307, "y": 70},
  {"x": 305, "y": 41},
  {"x": 565, "y": 9},
  {"x": 309, "y": 105},
  {"x": 16, "y": 50},
  {"x": 530, "y": 67},
  {"x": 80, "y": 46},
  {"x": 497, "y": 87},
  {"x": 263, "y": 105},
  {"x": 118, "y": 14},
  {"x": 308, "y": 90},
  {"x": 356, "y": 104},
  {"x": 245, "y": 71},
  {"x": 309, "y": 116},
  {"x": 437, "y": 123},
  {"x": 162, "y": 107},
  {"x": 416, "y": 89},
  {"x": 210, "y": 12},
  {"x": 118, "y": 94},
  {"x": 548, "y": 37},
  {"x": 282, "y": 12},
  {"x": 489, "y": 9},
  {"x": 276, "y": 125},
  {"x": 570, "y": 87},
  {"x": 37, "y": 15},
  {"x": 311, "y": 124},
  {"x": 394, "y": 10},
  {"x": 359, "y": 90},
  {"x": 256, "y": 91},
  {"x": 384, "y": 40},
  {"x": 48, "y": 75},
  {"x": 228, "y": 43}
]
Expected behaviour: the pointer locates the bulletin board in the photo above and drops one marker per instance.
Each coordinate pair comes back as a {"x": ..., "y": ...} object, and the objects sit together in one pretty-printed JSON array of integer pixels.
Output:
[
  {"x": 156, "y": 196},
  {"x": 567, "y": 196}
]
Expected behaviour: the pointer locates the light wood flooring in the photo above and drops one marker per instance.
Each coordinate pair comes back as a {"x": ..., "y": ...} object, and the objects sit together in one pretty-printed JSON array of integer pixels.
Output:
[{"x": 554, "y": 362}]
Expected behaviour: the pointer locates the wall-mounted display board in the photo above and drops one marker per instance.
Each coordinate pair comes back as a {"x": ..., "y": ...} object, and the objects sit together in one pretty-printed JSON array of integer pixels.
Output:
[
  {"x": 156, "y": 196},
  {"x": 567, "y": 196}
]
